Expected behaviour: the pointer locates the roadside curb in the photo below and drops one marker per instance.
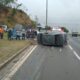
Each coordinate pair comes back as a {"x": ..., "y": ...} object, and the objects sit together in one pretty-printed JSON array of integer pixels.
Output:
[{"x": 12, "y": 57}]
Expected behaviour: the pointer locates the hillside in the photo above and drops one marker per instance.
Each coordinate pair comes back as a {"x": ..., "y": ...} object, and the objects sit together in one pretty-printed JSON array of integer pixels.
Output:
[{"x": 10, "y": 17}]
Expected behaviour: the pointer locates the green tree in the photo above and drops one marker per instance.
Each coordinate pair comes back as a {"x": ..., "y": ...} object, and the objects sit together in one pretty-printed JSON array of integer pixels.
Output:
[
  {"x": 48, "y": 28},
  {"x": 65, "y": 29},
  {"x": 14, "y": 10},
  {"x": 6, "y": 2},
  {"x": 33, "y": 23}
]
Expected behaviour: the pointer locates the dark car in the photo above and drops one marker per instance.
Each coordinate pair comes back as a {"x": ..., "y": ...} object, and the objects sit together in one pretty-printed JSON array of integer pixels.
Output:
[
  {"x": 74, "y": 34},
  {"x": 54, "y": 38}
]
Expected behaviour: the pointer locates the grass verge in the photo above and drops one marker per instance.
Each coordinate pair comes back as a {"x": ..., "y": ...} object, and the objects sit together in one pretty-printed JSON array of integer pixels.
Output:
[{"x": 9, "y": 48}]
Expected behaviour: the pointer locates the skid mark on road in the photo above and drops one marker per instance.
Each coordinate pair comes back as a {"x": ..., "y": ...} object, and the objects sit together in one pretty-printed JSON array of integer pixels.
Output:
[{"x": 75, "y": 53}]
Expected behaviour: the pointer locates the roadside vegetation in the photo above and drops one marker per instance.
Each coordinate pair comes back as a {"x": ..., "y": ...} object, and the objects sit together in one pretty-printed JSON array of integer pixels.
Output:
[
  {"x": 9, "y": 48},
  {"x": 11, "y": 16}
]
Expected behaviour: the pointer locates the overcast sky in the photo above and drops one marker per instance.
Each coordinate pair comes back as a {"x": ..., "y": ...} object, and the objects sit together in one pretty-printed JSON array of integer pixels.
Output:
[{"x": 60, "y": 12}]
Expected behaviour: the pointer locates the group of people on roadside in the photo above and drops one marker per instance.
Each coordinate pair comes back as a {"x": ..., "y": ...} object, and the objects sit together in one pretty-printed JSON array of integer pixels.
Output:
[
  {"x": 1, "y": 32},
  {"x": 23, "y": 34},
  {"x": 31, "y": 33},
  {"x": 15, "y": 34}
]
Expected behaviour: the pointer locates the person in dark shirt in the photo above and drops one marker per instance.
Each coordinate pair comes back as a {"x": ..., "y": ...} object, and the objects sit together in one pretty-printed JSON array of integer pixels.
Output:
[
  {"x": 9, "y": 34},
  {"x": 23, "y": 34},
  {"x": 18, "y": 33}
]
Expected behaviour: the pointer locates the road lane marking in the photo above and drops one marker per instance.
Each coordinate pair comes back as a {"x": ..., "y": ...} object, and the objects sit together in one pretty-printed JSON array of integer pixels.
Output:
[
  {"x": 75, "y": 53},
  {"x": 60, "y": 50},
  {"x": 19, "y": 64},
  {"x": 70, "y": 47}
]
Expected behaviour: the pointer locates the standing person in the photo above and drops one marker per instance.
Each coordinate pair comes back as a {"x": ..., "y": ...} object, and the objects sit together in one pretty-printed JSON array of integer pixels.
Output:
[
  {"x": 35, "y": 32},
  {"x": 23, "y": 34},
  {"x": 1, "y": 32},
  {"x": 18, "y": 35},
  {"x": 9, "y": 34},
  {"x": 28, "y": 34},
  {"x": 32, "y": 34},
  {"x": 2, "y": 35},
  {"x": 14, "y": 33}
]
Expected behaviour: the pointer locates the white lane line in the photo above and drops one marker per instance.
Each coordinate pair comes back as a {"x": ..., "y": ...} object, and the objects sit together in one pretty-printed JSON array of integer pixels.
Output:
[
  {"x": 75, "y": 53},
  {"x": 70, "y": 47},
  {"x": 19, "y": 64},
  {"x": 60, "y": 50}
]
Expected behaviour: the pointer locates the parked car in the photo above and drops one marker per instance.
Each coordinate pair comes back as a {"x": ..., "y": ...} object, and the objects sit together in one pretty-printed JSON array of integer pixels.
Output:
[{"x": 74, "y": 34}]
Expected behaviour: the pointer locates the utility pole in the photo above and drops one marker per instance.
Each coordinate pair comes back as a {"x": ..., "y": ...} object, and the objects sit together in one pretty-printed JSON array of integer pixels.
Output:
[
  {"x": 36, "y": 20},
  {"x": 46, "y": 14}
]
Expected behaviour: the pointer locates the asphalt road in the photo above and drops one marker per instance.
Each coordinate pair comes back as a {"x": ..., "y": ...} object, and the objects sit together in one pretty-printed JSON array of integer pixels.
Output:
[{"x": 52, "y": 63}]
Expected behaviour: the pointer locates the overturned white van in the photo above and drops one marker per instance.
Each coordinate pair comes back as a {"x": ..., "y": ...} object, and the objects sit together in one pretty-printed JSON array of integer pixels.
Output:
[{"x": 54, "y": 38}]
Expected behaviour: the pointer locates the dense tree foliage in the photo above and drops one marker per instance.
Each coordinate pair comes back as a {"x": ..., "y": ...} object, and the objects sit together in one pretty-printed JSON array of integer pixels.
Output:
[
  {"x": 33, "y": 24},
  {"x": 65, "y": 29},
  {"x": 6, "y": 2},
  {"x": 12, "y": 14},
  {"x": 48, "y": 28}
]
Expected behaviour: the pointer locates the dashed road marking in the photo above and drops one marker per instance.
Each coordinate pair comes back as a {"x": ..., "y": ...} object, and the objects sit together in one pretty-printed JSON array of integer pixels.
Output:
[
  {"x": 70, "y": 47},
  {"x": 19, "y": 64},
  {"x": 75, "y": 53},
  {"x": 60, "y": 50}
]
